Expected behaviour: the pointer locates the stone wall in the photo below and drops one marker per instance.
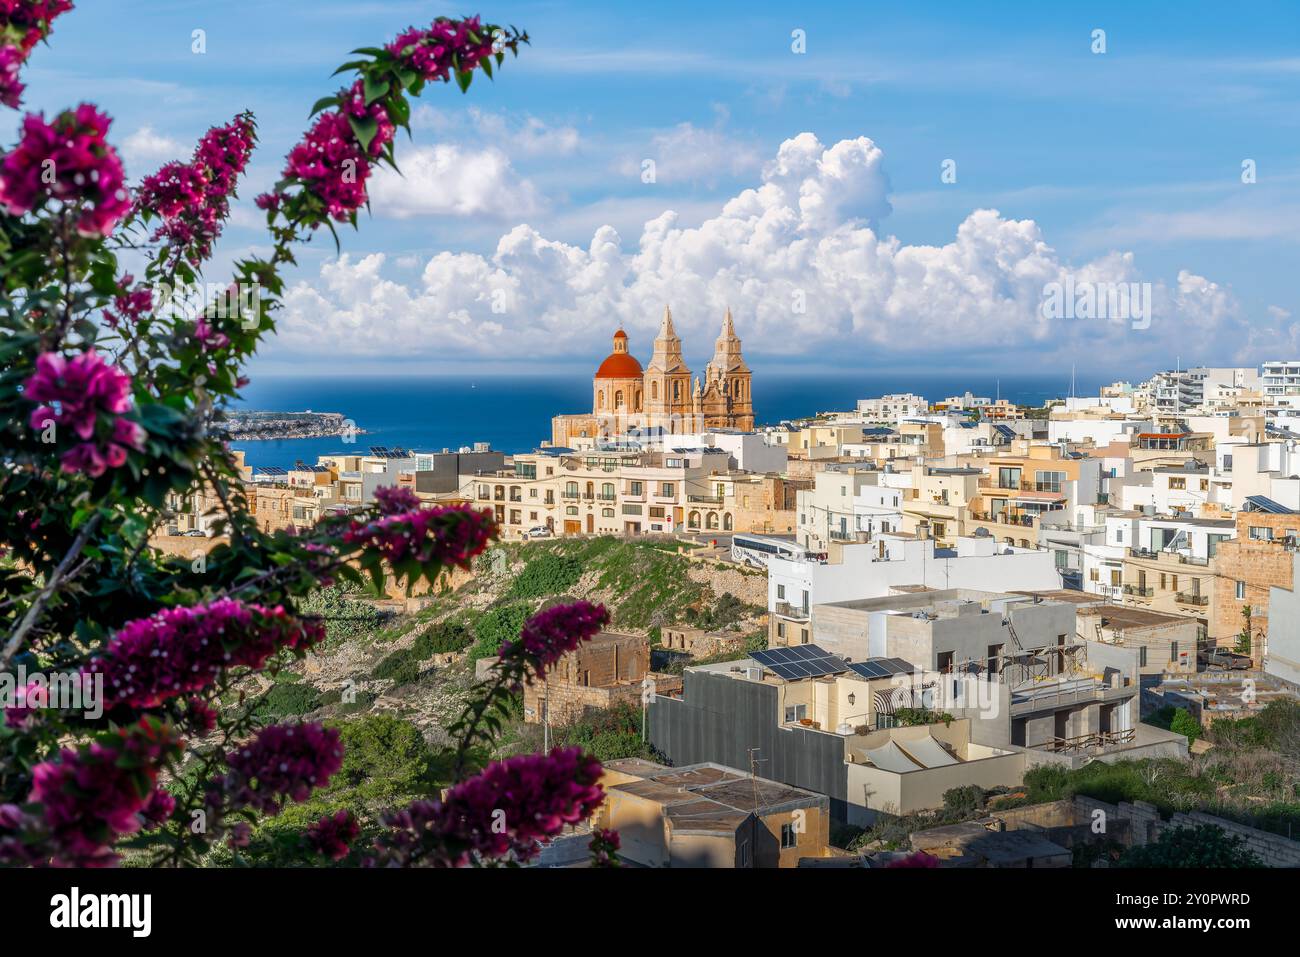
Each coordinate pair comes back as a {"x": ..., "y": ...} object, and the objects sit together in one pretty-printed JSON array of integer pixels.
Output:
[
  {"x": 1261, "y": 565},
  {"x": 1140, "y": 823}
]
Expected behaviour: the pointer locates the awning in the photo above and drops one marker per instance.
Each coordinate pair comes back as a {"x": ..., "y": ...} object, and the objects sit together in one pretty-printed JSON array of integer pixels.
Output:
[
  {"x": 928, "y": 752},
  {"x": 889, "y": 758}
]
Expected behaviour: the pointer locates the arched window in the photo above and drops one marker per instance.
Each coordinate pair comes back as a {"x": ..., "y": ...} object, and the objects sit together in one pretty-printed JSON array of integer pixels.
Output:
[
  {"x": 618, "y": 399},
  {"x": 726, "y": 521},
  {"x": 591, "y": 490},
  {"x": 606, "y": 513},
  {"x": 711, "y": 520},
  {"x": 693, "y": 520},
  {"x": 607, "y": 491},
  {"x": 636, "y": 400},
  {"x": 571, "y": 488},
  {"x": 600, "y": 399},
  {"x": 654, "y": 390},
  {"x": 677, "y": 391},
  {"x": 571, "y": 510}
]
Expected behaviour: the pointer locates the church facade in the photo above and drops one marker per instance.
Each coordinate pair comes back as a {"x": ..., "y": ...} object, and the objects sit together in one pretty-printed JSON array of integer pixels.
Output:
[{"x": 663, "y": 395}]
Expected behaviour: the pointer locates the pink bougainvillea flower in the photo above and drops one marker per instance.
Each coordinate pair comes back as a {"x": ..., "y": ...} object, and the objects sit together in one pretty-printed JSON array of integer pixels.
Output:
[
  {"x": 70, "y": 160},
  {"x": 183, "y": 650},
  {"x": 449, "y": 535},
  {"x": 550, "y": 634},
  {"x": 506, "y": 810}
]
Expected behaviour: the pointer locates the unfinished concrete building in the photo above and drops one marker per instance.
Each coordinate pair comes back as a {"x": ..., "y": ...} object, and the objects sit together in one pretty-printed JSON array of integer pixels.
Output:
[{"x": 597, "y": 674}]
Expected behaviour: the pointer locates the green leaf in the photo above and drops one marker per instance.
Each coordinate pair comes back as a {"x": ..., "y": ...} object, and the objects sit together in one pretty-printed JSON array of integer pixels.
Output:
[
  {"x": 324, "y": 103},
  {"x": 375, "y": 87},
  {"x": 463, "y": 79},
  {"x": 364, "y": 129}
]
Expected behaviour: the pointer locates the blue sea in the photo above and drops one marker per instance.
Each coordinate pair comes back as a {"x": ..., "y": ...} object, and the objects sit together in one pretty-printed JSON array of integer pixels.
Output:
[{"x": 513, "y": 413}]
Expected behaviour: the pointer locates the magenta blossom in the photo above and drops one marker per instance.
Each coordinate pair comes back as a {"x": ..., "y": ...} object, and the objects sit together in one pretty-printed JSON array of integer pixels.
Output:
[
  {"x": 69, "y": 160},
  {"x": 182, "y": 650},
  {"x": 448, "y": 535},
  {"x": 193, "y": 198},
  {"x": 130, "y": 305},
  {"x": 92, "y": 797},
  {"x": 393, "y": 499},
  {"x": 332, "y": 834},
  {"x": 81, "y": 388},
  {"x": 77, "y": 394},
  {"x": 23, "y": 24},
  {"x": 27, "y": 22},
  {"x": 283, "y": 763},
  {"x": 504, "y": 811},
  {"x": 549, "y": 635},
  {"x": 11, "y": 88},
  {"x": 433, "y": 52}
]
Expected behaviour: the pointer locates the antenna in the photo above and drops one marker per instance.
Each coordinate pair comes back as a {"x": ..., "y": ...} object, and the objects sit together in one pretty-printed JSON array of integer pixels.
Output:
[{"x": 753, "y": 776}]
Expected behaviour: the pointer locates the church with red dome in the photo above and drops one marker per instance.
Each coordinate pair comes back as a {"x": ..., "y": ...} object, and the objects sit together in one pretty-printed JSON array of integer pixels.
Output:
[{"x": 662, "y": 395}]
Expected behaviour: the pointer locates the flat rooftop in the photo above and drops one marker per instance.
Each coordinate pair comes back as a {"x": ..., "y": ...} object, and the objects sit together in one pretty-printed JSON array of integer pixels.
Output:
[
  {"x": 1127, "y": 616},
  {"x": 709, "y": 797},
  {"x": 926, "y": 600},
  {"x": 1065, "y": 595}
]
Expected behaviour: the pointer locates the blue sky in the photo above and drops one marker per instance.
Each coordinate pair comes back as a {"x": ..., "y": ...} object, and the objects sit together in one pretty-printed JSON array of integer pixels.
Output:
[{"x": 1121, "y": 166}]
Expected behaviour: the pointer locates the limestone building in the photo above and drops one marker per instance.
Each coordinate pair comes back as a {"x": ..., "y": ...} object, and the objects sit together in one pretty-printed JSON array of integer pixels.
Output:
[{"x": 662, "y": 396}]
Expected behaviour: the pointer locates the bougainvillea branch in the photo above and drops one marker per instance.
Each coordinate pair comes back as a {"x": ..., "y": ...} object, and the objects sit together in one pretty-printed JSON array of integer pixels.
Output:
[{"x": 113, "y": 387}]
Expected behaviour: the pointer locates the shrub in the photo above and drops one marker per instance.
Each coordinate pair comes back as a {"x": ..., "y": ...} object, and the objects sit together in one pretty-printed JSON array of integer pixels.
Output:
[
  {"x": 497, "y": 626},
  {"x": 1183, "y": 723},
  {"x": 402, "y": 667},
  {"x": 443, "y": 637},
  {"x": 547, "y": 574},
  {"x": 286, "y": 699},
  {"x": 1204, "y": 845}
]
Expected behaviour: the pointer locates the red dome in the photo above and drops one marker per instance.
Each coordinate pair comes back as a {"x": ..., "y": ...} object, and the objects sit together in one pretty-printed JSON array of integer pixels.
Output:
[{"x": 619, "y": 365}]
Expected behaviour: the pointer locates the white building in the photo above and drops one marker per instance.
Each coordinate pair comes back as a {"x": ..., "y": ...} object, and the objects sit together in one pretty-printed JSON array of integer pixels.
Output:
[{"x": 892, "y": 561}]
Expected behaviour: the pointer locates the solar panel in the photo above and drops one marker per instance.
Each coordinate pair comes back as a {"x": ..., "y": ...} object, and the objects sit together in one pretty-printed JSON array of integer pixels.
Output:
[
  {"x": 882, "y": 667},
  {"x": 1261, "y": 503},
  {"x": 272, "y": 470},
  {"x": 800, "y": 661}
]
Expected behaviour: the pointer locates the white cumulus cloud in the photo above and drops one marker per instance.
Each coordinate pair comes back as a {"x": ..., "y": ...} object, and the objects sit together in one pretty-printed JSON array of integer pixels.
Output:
[
  {"x": 448, "y": 180},
  {"x": 800, "y": 258}
]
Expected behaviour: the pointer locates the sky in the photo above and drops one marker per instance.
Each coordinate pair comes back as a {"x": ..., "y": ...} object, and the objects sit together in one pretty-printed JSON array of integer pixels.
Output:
[{"x": 897, "y": 186}]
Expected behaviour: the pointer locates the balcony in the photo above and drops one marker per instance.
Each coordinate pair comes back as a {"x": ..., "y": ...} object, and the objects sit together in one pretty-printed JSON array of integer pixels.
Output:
[
  {"x": 606, "y": 497},
  {"x": 787, "y": 610},
  {"x": 1190, "y": 598},
  {"x": 705, "y": 499},
  {"x": 1139, "y": 591},
  {"x": 1065, "y": 692},
  {"x": 569, "y": 496}
]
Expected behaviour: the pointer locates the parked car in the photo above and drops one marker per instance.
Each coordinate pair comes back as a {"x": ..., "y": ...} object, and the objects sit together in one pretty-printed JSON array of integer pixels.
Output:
[
  {"x": 196, "y": 533},
  {"x": 1221, "y": 659},
  {"x": 539, "y": 531}
]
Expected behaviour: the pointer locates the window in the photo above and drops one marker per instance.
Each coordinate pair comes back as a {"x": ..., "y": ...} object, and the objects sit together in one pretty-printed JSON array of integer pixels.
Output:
[
  {"x": 666, "y": 489},
  {"x": 803, "y": 636},
  {"x": 636, "y": 488},
  {"x": 780, "y": 629},
  {"x": 1178, "y": 483},
  {"x": 1241, "y": 590},
  {"x": 1049, "y": 481},
  {"x": 1142, "y": 657},
  {"x": 805, "y": 600},
  {"x": 788, "y": 836},
  {"x": 795, "y": 713},
  {"x": 1205, "y": 485},
  {"x": 1173, "y": 651},
  {"x": 780, "y": 592},
  {"x": 1261, "y": 533},
  {"x": 606, "y": 513}
]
